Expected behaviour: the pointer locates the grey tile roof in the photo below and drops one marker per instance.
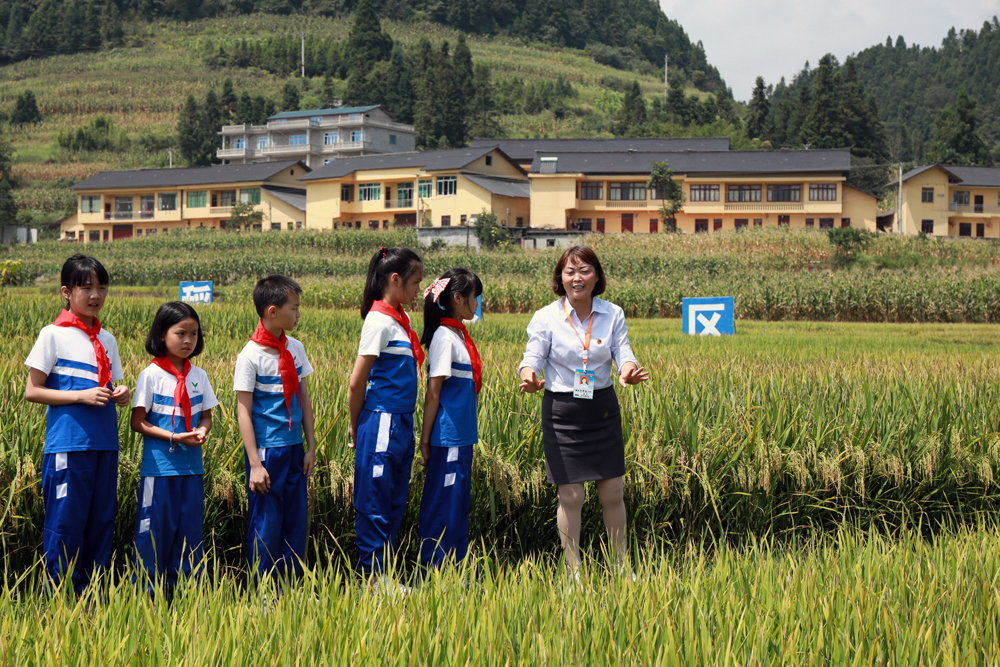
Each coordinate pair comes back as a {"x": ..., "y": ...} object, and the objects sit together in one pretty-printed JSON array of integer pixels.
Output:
[
  {"x": 167, "y": 178},
  {"x": 504, "y": 187},
  {"x": 983, "y": 177},
  {"x": 309, "y": 113},
  {"x": 916, "y": 172},
  {"x": 295, "y": 197},
  {"x": 524, "y": 149},
  {"x": 701, "y": 162},
  {"x": 454, "y": 158}
]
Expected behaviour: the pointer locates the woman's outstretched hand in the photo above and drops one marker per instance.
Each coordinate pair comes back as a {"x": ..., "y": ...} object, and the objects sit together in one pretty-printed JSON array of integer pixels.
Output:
[
  {"x": 529, "y": 381},
  {"x": 632, "y": 374}
]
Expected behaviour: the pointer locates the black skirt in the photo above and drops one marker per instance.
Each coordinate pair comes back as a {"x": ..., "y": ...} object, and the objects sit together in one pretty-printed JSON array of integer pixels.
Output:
[{"x": 582, "y": 437}]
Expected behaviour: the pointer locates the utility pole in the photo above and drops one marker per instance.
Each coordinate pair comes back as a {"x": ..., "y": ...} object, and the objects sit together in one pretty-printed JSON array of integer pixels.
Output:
[
  {"x": 666, "y": 67},
  {"x": 170, "y": 152},
  {"x": 303, "y": 54},
  {"x": 899, "y": 201}
]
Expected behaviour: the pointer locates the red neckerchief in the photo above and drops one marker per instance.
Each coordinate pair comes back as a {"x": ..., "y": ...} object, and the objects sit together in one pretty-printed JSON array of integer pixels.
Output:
[
  {"x": 286, "y": 365},
  {"x": 477, "y": 363},
  {"x": 181, "y": 397},
  {"x": 397, "y": 314},
  {"x": 68, "y": 318}
]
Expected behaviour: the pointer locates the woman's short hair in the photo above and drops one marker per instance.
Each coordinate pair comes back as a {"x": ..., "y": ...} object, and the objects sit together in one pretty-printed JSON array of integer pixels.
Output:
[{"x": 583, "y": 255}]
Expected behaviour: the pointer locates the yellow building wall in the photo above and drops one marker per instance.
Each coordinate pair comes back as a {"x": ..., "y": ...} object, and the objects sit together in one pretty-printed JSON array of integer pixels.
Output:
[
  {"x": 860, "y": 207},
  {"x": 289, "y": 176},
  {"x": 914, "y": 211},
  {"x": 276, "y": 210},
  {"x": 552, "y": 199},
  {"x": 509, "y": 209},
  {"x": 501, "y": 167},
  {"x": 322, "y": 203}
]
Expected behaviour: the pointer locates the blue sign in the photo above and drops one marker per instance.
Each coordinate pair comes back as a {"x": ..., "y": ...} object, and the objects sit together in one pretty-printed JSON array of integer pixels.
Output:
[
  {"x": 196, "y": 292},
  {"x": 709, "y": 316}
]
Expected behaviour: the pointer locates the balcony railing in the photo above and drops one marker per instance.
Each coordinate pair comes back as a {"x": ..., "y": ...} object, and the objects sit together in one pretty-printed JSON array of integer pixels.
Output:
[
  {"x": 761, "y": 207},
  {"x": 638, "y": 203},
  {"x": 234, "y": 152},
  {"x": 295, "y": 149},
  {"x": 243, "y": 129},
  {"x": 128, "y": 215},
  {"x": 220, "y": 210},
  {"x": 399, "y": 203},
  {"x": 345, "y": 146},
  {"x": 973, "y": 209}
]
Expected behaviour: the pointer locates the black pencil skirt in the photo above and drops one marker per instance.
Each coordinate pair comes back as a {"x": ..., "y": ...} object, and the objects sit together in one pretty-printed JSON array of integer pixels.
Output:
[{"x": 582, "y": 437}]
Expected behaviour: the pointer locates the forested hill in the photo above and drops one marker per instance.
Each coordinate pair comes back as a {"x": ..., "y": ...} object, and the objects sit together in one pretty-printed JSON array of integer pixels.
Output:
[
  {"x": 626, "y": 34},
  {"x": 911, "y": 84}
]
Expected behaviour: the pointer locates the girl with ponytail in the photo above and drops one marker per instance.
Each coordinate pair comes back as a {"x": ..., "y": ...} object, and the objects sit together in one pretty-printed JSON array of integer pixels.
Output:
[{"x": 455, "y": 377}]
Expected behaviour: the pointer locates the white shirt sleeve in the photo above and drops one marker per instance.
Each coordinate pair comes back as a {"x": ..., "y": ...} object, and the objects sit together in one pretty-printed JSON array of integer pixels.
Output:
[
  {"x": 245, "y": 377},
  {"x": 307, "y": 368},
  {"x": 208, "y": 398},
  {"x": 621, "y": 349},
  {"x": 539, "y": 342},
  {"x": 43, "y": 354},
  {"x": 440, "y": 355},
  {"x": 117, "y": 373},
  {"x": 374, "y": 338},
  {"x": 143, "y": 395}
]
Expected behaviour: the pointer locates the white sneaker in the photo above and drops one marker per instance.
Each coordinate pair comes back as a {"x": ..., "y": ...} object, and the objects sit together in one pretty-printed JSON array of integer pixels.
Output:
[{"x": 383, "y": 585}]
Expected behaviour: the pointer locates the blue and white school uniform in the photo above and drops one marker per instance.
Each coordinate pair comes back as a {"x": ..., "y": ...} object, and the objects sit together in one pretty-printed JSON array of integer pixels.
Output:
[
  {"x": 80, "y": 460},
  {"x": 383, "y": 455},
  {"x": 447, "y": 496},
  {"x": 168, "y": 522},
  {"x": 278, "y": 521}
]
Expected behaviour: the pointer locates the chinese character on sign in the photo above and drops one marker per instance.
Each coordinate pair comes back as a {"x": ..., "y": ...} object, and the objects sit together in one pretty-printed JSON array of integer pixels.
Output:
[
  {"x": 196, "y": 292},
  {"x": 709, "y": 316}
]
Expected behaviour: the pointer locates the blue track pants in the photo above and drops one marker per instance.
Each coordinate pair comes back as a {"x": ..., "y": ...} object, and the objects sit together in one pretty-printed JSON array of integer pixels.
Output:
[
  {"x": 278, "y": 524},
  {"x": 445, "y": 505},
  {"x": 168, "y": 528}
]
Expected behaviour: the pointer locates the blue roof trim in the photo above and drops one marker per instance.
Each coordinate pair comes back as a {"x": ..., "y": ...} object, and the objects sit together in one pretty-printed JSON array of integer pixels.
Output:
[{"x": 339, "y": 111}]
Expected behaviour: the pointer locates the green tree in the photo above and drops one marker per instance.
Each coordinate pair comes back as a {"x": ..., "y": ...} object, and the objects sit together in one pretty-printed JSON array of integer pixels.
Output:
[
  {"x": 399, "y": 87},
  {"x": 824, "y": 127},
  {"x": 366, "y": 43},
  {"x": 244, "y": 109},
  {"x": 112, "y": 30},
  {"x": 12, "y": 36},
  {"x": 327, "y": 92},
  {"x": 483, "y": 118},
  {"x": 290, "y": 97},
  {"x": 490, "y": 234},
  {"x": 957, "y": 139},
  {"x": 189, "y": 134},
  {"x": 757, "y": 112},
  {"x": 25, "y": 109},
  {"x": 633, "y": 112},
  {"x": 242, "y": 215},
  {"x": 671, "y": 193},
  {"x": 92, "y": 26},
  {"x": 228, "y": 102},
  {"x": 8, "y": 206},
  {"x": 425, "y": 106}
]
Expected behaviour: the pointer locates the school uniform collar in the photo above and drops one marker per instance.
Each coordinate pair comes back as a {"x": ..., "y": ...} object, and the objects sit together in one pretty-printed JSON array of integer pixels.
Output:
[{"x": 597, "y": 305}]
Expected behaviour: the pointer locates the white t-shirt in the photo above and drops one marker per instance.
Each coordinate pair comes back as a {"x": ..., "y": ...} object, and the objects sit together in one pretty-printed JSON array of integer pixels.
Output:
[
  {"x": 257, "y": 372},
  {"x": 455, "y": 424},
  {"x": 392, "y": 383}
]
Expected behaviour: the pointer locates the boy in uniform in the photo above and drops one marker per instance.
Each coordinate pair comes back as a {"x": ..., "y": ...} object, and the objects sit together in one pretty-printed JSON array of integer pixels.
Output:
[{"x": 274, "y": 413}]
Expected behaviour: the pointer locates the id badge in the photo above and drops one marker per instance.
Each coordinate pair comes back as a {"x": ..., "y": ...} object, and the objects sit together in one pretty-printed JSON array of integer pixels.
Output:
[{"x": 583, "y": 384}]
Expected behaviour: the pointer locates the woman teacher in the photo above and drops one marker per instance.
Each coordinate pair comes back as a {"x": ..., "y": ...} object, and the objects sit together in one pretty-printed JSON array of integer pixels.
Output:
[{"x": 574, "y": 340}]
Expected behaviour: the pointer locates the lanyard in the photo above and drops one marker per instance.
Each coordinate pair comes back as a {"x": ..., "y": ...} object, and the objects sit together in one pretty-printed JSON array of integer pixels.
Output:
[{"x": 590, "y": 325}]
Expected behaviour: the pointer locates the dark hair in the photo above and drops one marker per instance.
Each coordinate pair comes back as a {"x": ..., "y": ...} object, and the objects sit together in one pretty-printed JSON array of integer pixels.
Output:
[
  {"x": 77, "y": 270},
  {"x": 273, "y": 291},
  {"x": 462, "y": 282},
  {"x": 584, "y": 255},
  {"x": 167, "y": 316},
  {"x": 384, "y": 263}
]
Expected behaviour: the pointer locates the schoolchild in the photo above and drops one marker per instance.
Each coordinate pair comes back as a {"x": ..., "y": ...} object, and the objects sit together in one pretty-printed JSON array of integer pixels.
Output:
[
  {"x": 382, "y": 396},
  {"x": 454, "y": 378},
  {"x": 172, "y": 410},
  {"x": 71, "y": 369},
  {"x": 274, "y": 413}
]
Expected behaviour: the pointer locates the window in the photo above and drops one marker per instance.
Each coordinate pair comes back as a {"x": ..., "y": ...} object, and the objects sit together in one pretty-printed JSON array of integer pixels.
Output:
[
  {"x": 330, "y": 138},
  {"x": 369, "y": 191},
  {"x": 758, "y": 222},
  {"x": 742, "y": 223},
  {"x": 316, "y": 119},
  {"x": 583, "y": 224},
  {"x": 962, "y": 197},
  {"x": 373, "y": 224},
  {"x": 392, "y": 140},
  {"x": 965, "y": 229},
  {"x": 489, "y": 160},
  {"x": 150, "y": 232},
  {"x": 424, "y": 188},
  {"x": 446, "y": 221},
  {"x": 743, "y": 193},
  {"x": 240, "y": 143},
  {"x": 71, "y": 235},
  {"x": 927, "y": 226},
  {"x": 784, "y": 220},
  {"x": 275, "y": 226},
  {"x": 826, "y": 223},
  {"x": 704, "y": 193},
  {"x": 447, "y": 185},
  {"x": 354, "y": 116},
  {"x": 385, "y": 224},
  {"x": 464, "y": 220},
  {"x": 147, "y": 204},
  {"x": 845, "y": 222},
  {"x": 123, "y": 208},
  {"x": 520, "y": 222},
  {"x": 262, "y": 142},
  {"x": 822, "y": 192},
  {"x": 346, "y": 193},
  {"x": 717, "y": 225},
  {"x": 250, "y": 195},
  {"x": 298, "y": 224},
  {"x": 810, "y": 222},
  {"x": 297, "y": 140},
  {"x": 224, "y": 198},
  {"x": 90, "y": 204},
  {"x": 197, "y": 199},
  {"x": 94, "y": 237},
  {"x": 168, "y": 201},
  {"x": 591, "y": 190},
  {"x": 357, "y": 135},
  {"x": 926, "y": 195},
  {"x": 784, "y": 193},
  {"x": 627, "y": 191},
  {"x": 656, "y": 193},
  {"x": 700, "y": 226}
]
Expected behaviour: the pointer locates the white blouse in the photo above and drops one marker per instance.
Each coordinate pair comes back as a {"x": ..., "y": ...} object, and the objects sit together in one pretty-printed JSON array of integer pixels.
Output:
[{"x": 553, "y": 346}]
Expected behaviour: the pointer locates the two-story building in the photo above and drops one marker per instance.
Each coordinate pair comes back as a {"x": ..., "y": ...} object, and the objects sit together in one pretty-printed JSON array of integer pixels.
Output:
[
  {"x": 317, "y": 136},
  {"x": 121, "y": 204},
  {"x": 437, "y": 188},
  {"x": 943, "y": 200},
  {"x": 723, "y": 190},
  {"x": 522, "y": 151}
]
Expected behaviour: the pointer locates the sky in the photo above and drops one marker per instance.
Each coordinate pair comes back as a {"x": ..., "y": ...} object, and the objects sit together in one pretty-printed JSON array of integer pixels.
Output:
[{"x": 774, "y": 38}]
